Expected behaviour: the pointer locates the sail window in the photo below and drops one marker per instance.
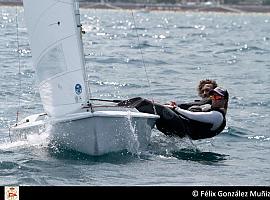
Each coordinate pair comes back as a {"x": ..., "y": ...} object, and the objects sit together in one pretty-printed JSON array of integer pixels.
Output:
[{"x": 52, "y": 63}]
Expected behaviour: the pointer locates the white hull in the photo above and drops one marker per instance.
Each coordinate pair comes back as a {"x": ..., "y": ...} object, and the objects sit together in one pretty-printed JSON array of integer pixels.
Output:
[
  {"x": 104, "y": 131},
  {"x": 98, "y": 133}
]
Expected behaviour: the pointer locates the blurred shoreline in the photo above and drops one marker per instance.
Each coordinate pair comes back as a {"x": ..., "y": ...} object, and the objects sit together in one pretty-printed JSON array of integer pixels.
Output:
[{"x": 164, "y": 7}]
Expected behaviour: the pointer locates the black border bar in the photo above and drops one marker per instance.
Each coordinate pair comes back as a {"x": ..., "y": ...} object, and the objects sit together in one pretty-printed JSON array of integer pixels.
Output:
[{"x": 127, "y": 192}]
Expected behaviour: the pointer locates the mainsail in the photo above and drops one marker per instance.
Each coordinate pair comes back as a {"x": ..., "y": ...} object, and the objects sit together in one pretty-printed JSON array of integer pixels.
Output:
[{"x": 55, "y": 39}]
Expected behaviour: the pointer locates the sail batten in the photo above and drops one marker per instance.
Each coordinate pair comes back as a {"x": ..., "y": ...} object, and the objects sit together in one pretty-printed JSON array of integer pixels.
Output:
[{"x": 56, "y": 44}]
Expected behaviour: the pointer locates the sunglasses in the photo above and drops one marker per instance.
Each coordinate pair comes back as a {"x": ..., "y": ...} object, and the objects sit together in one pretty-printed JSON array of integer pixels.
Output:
[{"x": 216, "y": 97}]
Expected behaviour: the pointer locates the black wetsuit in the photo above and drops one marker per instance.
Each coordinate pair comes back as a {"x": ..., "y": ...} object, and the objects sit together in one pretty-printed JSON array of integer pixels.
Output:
[
  {"x": 172, "y": 122},
  {"x": 186, "y": 106},
  {"x": 199, "y": 129}
]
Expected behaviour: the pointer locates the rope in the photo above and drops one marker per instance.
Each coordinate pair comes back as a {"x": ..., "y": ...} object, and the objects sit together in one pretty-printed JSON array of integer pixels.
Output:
[{"x": 147, "y": 77}]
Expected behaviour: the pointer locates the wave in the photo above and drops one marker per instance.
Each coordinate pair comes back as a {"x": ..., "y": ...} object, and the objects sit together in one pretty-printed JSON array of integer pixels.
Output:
[
  {"x": 185, "y": 27},
  {"x": 8, "y": 165},
  {"x": 14, "y": 143},
  {"x": 185, "y": 149},
  {"x": 236, "y": 132},
  {"x": 245, "y": 48},
  {"x": 242, "y": 134},
  {"x": 259, "y": 138},
  {"x": 238, "y": 101}
]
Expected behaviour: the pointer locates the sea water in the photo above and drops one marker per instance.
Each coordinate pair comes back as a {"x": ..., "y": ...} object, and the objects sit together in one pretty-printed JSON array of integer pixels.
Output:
[{"x": 160, "y": 56}]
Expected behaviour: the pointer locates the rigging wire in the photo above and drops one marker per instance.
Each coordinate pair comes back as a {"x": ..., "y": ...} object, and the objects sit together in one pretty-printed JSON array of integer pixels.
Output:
[
  {"x": 19, "y": 63},
  {"x": 142, "y": 57}
]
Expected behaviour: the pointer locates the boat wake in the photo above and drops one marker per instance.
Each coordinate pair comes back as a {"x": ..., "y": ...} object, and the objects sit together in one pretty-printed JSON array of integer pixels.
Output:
[
  {"x": 237, "y": 132},
  {"x": 185, "y": 149},
  {"x": 39, "y": 140}
]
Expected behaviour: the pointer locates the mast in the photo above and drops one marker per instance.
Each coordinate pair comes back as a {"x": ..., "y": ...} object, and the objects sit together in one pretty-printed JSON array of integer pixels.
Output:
[{"x": 79, "y": 26}]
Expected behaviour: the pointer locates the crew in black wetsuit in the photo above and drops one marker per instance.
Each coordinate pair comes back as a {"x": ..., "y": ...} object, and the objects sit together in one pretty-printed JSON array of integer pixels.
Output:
[
  {"x": 177, "y": 121},
  {"x": 209, "y": 122}
]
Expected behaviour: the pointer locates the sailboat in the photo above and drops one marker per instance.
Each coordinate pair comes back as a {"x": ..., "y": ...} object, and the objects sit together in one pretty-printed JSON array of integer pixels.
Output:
[{"x": 73, "y": 119}]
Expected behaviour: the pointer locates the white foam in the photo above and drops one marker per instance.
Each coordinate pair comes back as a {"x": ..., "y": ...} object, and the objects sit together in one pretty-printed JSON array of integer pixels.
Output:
[
  {"x": 133, "y": 143},
  {"x": 35, "y": 139}
]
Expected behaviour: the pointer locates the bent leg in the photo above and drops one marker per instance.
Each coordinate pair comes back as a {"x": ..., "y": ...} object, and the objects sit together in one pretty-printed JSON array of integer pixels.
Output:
[
  {"x": 169, "y": 122},
  {"x": 131, "y": 102}
]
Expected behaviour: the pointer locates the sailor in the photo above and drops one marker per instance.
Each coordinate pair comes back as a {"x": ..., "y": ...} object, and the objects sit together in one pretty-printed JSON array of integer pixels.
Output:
[
  {"x": 203, "y": 89},
  {"x": 209, "y": 122},
  {"x": 174, "y": 120}
]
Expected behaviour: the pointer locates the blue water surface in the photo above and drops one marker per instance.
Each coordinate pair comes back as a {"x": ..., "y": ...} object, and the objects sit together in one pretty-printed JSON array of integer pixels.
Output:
[{"x": 157, "y": 55}]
